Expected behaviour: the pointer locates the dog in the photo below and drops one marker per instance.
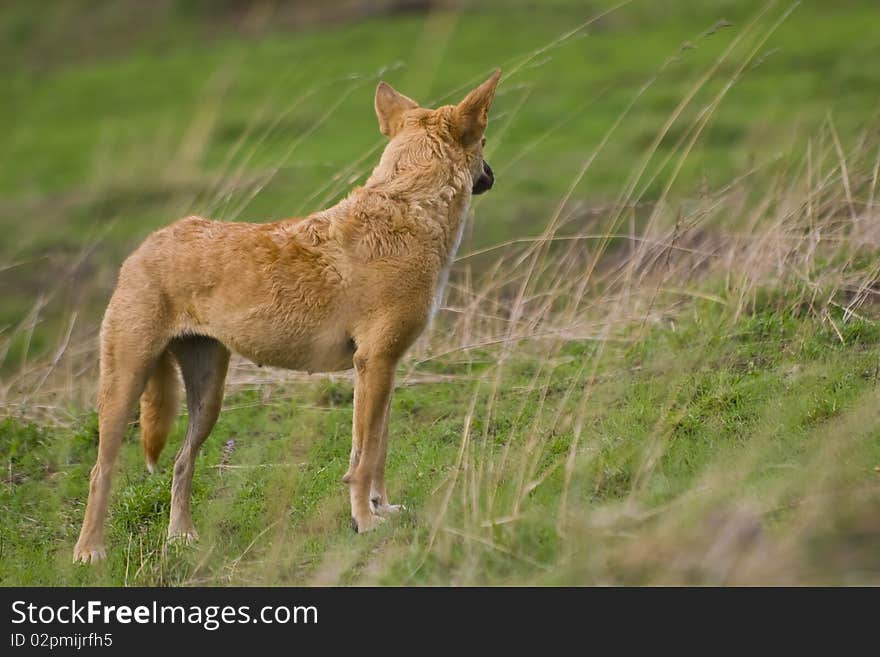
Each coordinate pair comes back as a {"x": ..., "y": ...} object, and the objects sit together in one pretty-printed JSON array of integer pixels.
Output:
[{"x": 348, "y": 287}]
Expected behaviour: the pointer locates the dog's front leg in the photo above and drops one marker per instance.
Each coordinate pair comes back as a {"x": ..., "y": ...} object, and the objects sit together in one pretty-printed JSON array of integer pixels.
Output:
[
  {"x": 378, "y": 494},
  {"x": 374, "y": 381},
  {"x": 355, "y": 455}
]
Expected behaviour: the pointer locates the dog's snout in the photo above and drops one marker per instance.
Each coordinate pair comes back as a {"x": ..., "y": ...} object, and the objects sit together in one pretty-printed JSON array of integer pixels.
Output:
[{"x": 485, "y": 181}]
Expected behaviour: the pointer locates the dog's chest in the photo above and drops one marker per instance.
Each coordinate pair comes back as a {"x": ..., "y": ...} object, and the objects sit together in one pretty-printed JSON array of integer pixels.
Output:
[{"x": 443, "y": 277}]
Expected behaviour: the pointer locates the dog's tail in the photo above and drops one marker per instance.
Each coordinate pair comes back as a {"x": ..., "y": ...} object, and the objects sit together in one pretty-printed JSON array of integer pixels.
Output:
[{"x": 159, "y": 406}]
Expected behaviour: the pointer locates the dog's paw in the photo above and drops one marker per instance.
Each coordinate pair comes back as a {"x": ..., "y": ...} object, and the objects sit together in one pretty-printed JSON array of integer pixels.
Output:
[
  {"x": 384, "y": 509},
  {"x": 89, "y": 553},
  {"x": 367, "y": 524},
  {"x": 183, "y": 536}
]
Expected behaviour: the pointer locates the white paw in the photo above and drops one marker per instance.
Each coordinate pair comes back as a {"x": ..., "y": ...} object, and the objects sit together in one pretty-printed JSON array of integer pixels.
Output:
[
  {"x": 385, "y": 509},
  {"x": 88, "y": 553}
]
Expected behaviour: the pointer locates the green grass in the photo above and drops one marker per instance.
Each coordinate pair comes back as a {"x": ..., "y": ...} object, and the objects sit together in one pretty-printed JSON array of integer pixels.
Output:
[
  {"x": 686, "y": 394},
  {"x": 748, "y": 416}
]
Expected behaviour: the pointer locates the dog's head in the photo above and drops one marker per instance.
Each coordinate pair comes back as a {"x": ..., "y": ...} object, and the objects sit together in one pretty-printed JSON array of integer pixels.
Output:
[{"x": 453, "y": 132}]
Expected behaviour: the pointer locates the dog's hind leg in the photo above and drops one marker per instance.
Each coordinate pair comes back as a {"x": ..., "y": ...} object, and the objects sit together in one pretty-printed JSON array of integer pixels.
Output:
[
  {"x": 203, "y": 363},
  {"x": 126, "y": 361}
]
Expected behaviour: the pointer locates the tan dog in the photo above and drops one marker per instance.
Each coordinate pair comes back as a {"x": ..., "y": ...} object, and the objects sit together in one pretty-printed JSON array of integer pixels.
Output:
[{"x": 350, "y": 286}]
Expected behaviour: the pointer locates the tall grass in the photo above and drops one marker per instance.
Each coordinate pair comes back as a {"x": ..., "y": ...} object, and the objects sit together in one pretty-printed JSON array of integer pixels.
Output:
[{"x": 795, "y": 235}]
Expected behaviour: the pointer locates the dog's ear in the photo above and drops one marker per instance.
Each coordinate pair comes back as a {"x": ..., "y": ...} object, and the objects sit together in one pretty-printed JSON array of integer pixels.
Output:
[
  {"x": 473, "y": 111},
  {"x": 390, "y": 107}
]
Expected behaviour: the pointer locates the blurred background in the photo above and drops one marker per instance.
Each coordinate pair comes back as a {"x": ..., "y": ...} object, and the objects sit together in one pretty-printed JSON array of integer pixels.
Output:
[
  {"x": 658, "y": 361},
  {"x": 121, "y": 116}
]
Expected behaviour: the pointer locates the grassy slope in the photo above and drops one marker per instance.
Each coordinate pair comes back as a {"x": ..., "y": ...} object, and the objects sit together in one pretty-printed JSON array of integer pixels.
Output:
[
  {"x": 713, "y": 448},
  {"x": 769, "y": 434}
]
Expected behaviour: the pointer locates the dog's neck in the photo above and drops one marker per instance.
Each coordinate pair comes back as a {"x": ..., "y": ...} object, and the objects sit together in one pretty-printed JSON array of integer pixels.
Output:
[{"x": 438, "y": 196}]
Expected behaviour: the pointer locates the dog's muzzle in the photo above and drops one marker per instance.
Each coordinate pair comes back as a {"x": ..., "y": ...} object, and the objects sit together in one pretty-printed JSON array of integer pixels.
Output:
[{"x": 485, "y": 181}]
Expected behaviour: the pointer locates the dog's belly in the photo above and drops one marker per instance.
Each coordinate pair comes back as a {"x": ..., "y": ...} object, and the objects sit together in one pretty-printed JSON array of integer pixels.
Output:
[
  {"x": 275, "y": 335},
  {"x": 324, "y": 351}
]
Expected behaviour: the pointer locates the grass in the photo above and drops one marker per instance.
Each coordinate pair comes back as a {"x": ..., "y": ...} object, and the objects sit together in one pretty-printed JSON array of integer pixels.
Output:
[
  {"x": 658, "y": 358},
  {"x": 763, "y": 434}
]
